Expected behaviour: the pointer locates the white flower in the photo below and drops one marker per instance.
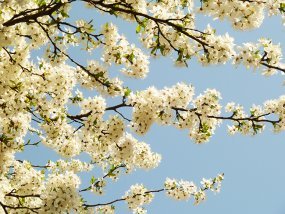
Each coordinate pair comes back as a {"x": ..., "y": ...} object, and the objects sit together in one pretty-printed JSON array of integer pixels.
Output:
[{"x": 138, "y": 196}]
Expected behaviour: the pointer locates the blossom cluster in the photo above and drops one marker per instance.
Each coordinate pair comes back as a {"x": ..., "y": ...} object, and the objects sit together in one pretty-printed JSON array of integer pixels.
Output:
[
  {"x": 242, "y": 14},
  {"x": 183, "y": 190},
  {"x": 105, "y": 209},
  {"x": 118, "y": 50},
  {"x": 75, "y": 165},
  {"x": 97, "y": 78},
  {"x": 154, "y": 105},
  {"x": 134, "y": 154},
  {"x": 180, "y": 190},
  {"x": 219, "y": 49},
  {"x": 214, "y": 184},
  {"x": 277, "y": 106},
  {"x": 262, "y": 53},
  {"x": 61, "y": 193},
  {"x": 254, "y": 123},
  {"x": 138, "y": 196},
  {"x": 28, "y": 187}
]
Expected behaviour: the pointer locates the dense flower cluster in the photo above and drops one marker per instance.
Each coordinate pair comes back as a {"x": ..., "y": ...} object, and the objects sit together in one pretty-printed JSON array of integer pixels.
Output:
[
  {"x": 180, "y": 190},
  {"x": 219, "y": 49},
  {"x": 74, "y": 165},
  {"x": 138, "y": 196},
  {"x": 183, "y": 190},
  {"x": 134, "y": 154},
  {"x": 243, "y": 14},
  {"x": 61, "y": 193},
  {"x": 156, "y": 105},
  {"x": 105, "y": 209},
  {"x": 257, "y": 114},
  {"x": 277, "y": 106},
  {"x": 262, "y": 53},
  {"x": 117, "y": 49},
  {"x": 96, "y": 76}
]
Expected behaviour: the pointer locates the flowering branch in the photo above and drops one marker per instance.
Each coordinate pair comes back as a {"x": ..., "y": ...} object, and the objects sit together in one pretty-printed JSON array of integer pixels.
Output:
[
  {"x": 109, "y": 174},
  {"x": 33, "y": 14}
]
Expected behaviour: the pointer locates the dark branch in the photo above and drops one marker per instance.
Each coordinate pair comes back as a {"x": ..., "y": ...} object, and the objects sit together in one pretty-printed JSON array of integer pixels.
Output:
[{"x": 29, "y": 15}]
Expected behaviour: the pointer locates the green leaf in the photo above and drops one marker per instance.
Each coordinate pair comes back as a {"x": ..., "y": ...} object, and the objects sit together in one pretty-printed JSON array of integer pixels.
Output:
[
  {"x": 161, "y": 48},
  {"x": 100, "y": 74},
  {"x": 107, "y": 83},
  {"x": 40, "y": 2},
  {"x": 58, "y": 38},
  {"x": 118, "y": 58},
  {"x": 179, "y": 58},
  {"x": 93, "y": 180},
  {"x": 4, "y": 139},
  {"x": 111, "y": 170},
  {"x": 205, "y": 129},
  {"x": 141, "y": 25},
  {"x": 138, "y": 28},
  {"x": 76, "y": 99},
  {"x": 256, "y": 128},
  {"x": 252, "y": 112},
  {"x": 153, "y": 51},
  {"x": 282, "y": 7},
  {"x": 64, "y": 14},
  {"x": 113, "y": 12},
  {"x": 41, "y": 65},
  {"x": 184, "y": 3},
  {"x": 21, "y": 201},
  {"x": 130, "y": 57},
  {"x": 127, "y": 92}
]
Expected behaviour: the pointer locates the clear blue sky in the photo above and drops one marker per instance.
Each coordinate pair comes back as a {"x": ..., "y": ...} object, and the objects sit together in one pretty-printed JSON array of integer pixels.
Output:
[{"x": 253, "y": 166}]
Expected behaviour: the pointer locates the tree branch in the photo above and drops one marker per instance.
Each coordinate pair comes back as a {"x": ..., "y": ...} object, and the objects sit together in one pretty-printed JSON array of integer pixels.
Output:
[
  {"x": 122, "y": 199},
  {"x": 27, "y": 16}
]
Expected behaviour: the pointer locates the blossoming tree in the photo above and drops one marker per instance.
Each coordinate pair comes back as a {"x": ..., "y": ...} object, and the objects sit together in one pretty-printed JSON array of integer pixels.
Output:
[{"x": 38, "y": 95}]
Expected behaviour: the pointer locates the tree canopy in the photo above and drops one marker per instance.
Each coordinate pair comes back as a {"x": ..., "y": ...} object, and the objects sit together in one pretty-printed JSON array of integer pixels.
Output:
[{"x": 46, "y": 97}]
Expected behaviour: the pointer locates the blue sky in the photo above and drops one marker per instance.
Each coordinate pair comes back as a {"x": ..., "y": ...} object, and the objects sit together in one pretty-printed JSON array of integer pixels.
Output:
[{"x": 253, "y": 166}]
